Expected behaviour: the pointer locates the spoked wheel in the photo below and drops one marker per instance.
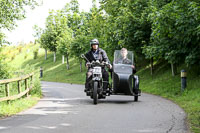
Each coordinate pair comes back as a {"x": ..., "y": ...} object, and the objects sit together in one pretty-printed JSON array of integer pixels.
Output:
[{"x": 95, "y": 97}]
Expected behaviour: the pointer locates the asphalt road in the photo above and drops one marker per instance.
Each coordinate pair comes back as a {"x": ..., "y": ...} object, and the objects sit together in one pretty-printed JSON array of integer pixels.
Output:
[{"x": 65, "y": 109}]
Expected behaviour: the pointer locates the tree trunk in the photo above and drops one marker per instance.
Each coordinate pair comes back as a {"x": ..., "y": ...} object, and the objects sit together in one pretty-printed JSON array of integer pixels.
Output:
[
  {"x": 174, "y": 69},
  {"x": 54, "y": 59},
  {"x": 67, "y": 62},
  {"x": 80, "y": 65},
  {"x": 151, "y": 62},
  {"x": 63, "y": 59},
  {"x": 45, "y": 54}
]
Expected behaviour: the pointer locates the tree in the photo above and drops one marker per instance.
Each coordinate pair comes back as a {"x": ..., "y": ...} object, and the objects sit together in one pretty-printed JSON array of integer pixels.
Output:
[
  {"x": 51, "y": 32},
  {"x": 37, "y": 33},
  {"x": 64, "y": 39},
  {"x": 44, "y": 41},
  {"x": 175, "y": 32},
  {"x": 127, "y": 24},
  {"x": 79, "y": 46},
  {"x": 11, "y": 11}
]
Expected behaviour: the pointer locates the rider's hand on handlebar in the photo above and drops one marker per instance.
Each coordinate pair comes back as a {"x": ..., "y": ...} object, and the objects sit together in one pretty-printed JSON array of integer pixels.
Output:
[
  {"x": 88, "y": 64},
  {"x": 110, "y": 66}
]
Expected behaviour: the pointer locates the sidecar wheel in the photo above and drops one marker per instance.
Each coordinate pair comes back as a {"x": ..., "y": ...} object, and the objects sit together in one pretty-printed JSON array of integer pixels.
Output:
[{"x": 95, "y": 97}]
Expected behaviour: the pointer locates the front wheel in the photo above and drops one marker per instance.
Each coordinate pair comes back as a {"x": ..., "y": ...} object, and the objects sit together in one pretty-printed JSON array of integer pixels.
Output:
[
  {"x": 135, "y": 98},
  {"x": 95, "y": 88}
]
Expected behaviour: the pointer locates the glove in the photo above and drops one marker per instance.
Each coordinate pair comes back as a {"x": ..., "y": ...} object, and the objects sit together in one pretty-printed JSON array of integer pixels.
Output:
[
  {"x": 88, "y": 64},
  {"x": 110, "y": 66}
]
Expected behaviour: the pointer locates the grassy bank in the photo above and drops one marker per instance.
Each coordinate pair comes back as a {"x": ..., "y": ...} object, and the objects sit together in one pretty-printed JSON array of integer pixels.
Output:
[
  {"x": 165, "y": 85},
  {"x": 17, "y": 106},
  {"x": 14, "y": 57}
]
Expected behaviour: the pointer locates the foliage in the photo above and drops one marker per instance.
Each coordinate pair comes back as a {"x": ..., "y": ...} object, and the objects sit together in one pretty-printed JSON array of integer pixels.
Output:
[
  {"x": 163, "y": 84},
  {"x": 79, "y": 46},
  {"x": 11, "y": 11},
  {"x": 37, "y": 33},
  {"x": 157, "y": 29},
  {"x": 175, "y": 34},
  {"x": 35, "y": 53},
  {"x": 64, "y": 39},
  {"x": 127, "y": 23},
  {"x": 56, "y": 35},
  {"x": 3, "y": 68}
]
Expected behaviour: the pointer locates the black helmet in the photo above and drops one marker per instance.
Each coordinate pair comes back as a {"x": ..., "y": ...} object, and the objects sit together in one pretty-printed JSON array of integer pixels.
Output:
[{"x": 94, "y": 41}]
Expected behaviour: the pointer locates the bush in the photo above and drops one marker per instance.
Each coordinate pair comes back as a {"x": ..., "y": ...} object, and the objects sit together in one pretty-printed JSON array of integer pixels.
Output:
[
  {"x": 13, "y": 57},
  {"x": 3, "y": 69},
  {"x": 36, "y": 90},
  {"x": 25, "y": 56},
  {"x": 19, "y": 49}
]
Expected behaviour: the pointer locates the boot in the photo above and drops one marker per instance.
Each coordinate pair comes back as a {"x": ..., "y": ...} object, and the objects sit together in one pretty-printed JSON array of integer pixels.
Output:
[{"x": 105, "y": 87}]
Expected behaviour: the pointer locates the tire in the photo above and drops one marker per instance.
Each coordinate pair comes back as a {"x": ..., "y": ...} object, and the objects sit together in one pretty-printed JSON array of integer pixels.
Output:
[
  {"x": 95, "y": 95},
  {"x": 135, "y": 98}
]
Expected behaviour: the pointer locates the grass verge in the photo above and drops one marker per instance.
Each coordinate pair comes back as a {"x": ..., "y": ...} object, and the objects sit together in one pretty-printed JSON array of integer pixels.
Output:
[
  {"x": 17, "y": 106},
  {"x": 15, "y": 56},
  {"x": 167, "y": 86}
]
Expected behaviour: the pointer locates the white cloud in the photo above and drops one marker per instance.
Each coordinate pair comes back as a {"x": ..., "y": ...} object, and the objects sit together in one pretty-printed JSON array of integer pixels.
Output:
[{"x": 24, "y": 31}]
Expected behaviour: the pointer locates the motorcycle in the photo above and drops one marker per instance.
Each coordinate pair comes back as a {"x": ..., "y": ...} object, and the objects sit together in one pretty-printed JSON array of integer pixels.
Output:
[
  {"x": 124, "y": 82},
  {"x": 96, "y": 83}
]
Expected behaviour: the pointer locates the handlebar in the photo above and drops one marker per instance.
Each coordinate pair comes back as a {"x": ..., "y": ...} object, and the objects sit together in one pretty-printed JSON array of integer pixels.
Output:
[
  {"x": 95, "y": 63},
  {"x": 83, "y": 56}
]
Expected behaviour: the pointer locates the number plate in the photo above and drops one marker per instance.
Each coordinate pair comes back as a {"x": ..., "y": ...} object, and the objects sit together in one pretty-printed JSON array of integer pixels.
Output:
[{"x": 97, "y": 70}]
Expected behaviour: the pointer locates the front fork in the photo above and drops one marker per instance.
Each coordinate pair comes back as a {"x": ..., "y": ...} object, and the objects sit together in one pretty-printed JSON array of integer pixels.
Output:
[{"x": 91, "y": 85}]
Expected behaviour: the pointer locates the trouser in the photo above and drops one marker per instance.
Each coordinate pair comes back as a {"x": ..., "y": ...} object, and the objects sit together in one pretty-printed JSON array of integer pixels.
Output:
[{"x": 105, "y": 77}]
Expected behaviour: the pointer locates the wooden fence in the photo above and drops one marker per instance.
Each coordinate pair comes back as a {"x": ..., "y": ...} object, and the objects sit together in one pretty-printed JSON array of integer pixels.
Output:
[{"x": 27, "y": 84}]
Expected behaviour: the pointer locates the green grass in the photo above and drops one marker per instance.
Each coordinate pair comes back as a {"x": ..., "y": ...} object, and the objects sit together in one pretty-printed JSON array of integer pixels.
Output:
[
  {"x": 15, "y": 64},
  {"x": 17, "y": 106},
  {"x": 161, "y": 83},
  {"x": 56, "y": 71},
  {"x": 167, "y": 86}
]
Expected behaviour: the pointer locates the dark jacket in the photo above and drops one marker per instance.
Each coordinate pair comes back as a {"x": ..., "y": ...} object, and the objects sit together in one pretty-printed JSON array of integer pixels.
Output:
[{"x": 102, "y": 56}]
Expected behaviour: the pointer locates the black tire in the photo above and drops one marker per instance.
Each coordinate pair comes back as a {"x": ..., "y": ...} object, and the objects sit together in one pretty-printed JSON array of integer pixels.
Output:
[
  {"x": 135, "y": 98},
  {"x": 95, "y": 95}
]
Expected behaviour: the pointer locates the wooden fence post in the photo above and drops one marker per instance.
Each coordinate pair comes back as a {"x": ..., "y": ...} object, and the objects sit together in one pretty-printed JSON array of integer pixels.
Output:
[
  {"x": 31, "y": 84},
  {"x": 28, "y": 83},
  {"x": 26, "y": 87},
  {"x": 19, "y": 86},
  {"x": 7, "y": 91}
]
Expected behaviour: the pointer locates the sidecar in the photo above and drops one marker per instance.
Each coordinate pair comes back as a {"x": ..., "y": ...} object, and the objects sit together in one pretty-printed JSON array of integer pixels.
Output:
[{"x": 124, "y": 82}]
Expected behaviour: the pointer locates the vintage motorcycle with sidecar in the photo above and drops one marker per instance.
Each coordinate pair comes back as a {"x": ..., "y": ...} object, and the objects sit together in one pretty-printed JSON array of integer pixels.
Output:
[{"x": 124, "y": 82}]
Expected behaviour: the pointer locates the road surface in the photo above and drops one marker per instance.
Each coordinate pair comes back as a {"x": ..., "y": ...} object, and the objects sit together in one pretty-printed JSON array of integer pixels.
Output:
[{"x": 66, "y": 109}]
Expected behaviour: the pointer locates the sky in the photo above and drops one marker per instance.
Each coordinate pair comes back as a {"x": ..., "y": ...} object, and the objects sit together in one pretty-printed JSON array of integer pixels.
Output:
[{"x": 24, "y": 32}]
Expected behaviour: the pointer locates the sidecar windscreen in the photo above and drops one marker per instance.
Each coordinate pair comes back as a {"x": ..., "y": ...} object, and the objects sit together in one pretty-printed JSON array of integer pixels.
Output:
[
  {"x": 123, "y": 58},
  {"x": 122, "y": 63}
]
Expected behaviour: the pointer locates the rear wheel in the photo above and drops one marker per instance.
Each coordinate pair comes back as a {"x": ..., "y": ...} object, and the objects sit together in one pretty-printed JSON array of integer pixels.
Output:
[{"x": 95, "y": 88}]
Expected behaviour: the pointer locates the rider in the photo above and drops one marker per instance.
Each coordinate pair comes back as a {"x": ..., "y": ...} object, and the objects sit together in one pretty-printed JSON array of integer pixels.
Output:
[{"x": 94, "y": 54}]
